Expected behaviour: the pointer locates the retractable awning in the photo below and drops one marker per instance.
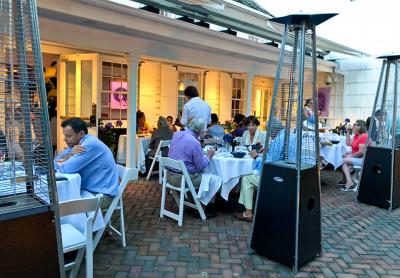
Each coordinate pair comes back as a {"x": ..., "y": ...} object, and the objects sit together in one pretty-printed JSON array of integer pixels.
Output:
[{"x": 241, "y": 15}]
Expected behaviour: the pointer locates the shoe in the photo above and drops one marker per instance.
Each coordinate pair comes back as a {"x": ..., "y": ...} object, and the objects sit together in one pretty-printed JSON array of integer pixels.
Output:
[
  {"x": 240, "y": 216},
  {"x": 347, "y": 189}
]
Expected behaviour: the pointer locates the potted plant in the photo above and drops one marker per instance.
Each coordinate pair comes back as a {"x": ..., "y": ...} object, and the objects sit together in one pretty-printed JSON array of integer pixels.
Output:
[{"x": 108, "y": 135}]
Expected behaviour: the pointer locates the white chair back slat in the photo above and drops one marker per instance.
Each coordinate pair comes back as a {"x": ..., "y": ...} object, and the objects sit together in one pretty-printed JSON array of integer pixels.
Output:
[{"x": 79, "y": 206}]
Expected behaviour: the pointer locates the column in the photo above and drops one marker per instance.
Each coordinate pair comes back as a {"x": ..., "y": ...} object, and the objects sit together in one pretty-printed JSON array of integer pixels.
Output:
[
  {"x": 133, "y": 66},
  {"x": 250, "y": 77}
]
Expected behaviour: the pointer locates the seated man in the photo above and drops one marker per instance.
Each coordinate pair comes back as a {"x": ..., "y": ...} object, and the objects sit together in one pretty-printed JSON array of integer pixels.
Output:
[
  {"x": 276, "y": 153},
  {"x": 185, "y": 146},
  {"x": 90, "y": 158}
]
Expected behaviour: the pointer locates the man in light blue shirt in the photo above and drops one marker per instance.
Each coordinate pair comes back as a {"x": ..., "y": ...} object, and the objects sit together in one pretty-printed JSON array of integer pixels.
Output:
[
  {"x": 215, "y": 130},
  {"x": 87, "y": 156},
  {"x": 195, "y": 107}
]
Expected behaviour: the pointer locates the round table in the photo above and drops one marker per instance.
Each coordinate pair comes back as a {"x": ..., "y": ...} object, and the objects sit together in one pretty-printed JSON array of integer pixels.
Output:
[{"x": 230, "y": 169}]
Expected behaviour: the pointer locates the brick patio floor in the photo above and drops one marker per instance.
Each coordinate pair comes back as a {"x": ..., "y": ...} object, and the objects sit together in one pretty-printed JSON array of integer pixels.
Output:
[{"x": 358, "y": 241}]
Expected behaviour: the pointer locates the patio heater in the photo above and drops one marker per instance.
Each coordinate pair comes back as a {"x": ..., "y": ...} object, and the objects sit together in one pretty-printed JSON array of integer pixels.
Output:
[
  {"x": 29, "y": 226},
  {"x": 380, "y": 178},
  {"x": 287, "y": 219}
]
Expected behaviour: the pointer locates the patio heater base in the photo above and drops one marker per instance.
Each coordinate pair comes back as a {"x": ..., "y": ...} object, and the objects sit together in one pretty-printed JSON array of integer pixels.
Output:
[
  {"x": 29, "y": 246},
  {"x": 376, "y": 178},
  {"x": 275, "y": 227}
]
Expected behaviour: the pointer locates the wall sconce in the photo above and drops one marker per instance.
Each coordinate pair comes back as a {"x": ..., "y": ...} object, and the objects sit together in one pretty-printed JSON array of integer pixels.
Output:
[
  {"x": 329, "y": 79},
  {"x": 181, "y": 85}
]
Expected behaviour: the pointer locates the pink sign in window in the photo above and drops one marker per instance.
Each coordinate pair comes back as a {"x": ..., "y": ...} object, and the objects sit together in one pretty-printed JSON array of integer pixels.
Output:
[{"x": 119, "y": 94}]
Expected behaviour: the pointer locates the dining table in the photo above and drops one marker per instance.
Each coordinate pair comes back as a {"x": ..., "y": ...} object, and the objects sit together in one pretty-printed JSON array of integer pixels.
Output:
[
  {"x": 142, "y": 148},
  {"x": 332, "y": 153},
  {"x": 230, "y": 169}
]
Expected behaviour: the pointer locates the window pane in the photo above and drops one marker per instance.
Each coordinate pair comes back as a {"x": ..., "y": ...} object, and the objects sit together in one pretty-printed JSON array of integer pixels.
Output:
[
  {"x": 239, "y": 94},
  {"x": 86, "y": 88},
  {"x": 70, "y": 88}
]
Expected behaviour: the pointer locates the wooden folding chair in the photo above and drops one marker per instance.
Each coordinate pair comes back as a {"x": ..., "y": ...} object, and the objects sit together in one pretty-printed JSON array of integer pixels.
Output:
[{"x": 185, "y": 186}]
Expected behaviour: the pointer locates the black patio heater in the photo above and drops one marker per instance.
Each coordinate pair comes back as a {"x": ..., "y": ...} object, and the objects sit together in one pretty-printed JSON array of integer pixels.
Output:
[
  {"x": 29, "y": 226},
  {"x": 287, "y": 219},
  {"x": 380, "y": 178}
]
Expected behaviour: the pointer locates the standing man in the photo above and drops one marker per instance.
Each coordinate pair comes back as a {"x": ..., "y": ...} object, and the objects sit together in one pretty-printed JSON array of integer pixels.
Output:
[
  {"x": 87, "y": 156},
  {"x": 195, "y": 107}
]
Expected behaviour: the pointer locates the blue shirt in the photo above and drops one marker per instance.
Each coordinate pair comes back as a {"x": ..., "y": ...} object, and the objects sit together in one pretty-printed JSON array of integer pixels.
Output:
[
  {"x": 96, "y": 166},
  {"x": 216, "y": 131}
]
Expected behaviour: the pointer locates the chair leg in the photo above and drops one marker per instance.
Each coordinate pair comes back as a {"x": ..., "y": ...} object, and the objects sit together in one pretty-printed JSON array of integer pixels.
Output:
[
  {"x": 78, "y": 260},
  {"x": 181, "y": 206},
  {"x": 151, "y": 169},
  {"x": 163, "y": 196},
  {"x": 198, "y": 204},
  {"x": 122, "y": 223},
  {"x": 89, "y": 260},
  {"x": 160, "y": 173}
]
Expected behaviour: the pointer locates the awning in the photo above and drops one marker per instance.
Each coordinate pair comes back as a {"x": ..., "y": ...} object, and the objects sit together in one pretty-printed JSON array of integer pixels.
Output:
[{"x": 242, "y": 15}]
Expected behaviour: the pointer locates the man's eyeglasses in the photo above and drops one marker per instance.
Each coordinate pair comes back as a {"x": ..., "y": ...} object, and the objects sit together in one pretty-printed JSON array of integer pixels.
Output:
[{"x": 356, "y": 124}]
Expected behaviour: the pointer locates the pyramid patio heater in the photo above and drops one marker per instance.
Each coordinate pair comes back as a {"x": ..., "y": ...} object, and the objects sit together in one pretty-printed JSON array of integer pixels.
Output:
[
  {"x": 380, "y": 178},
  {"x": 287, "y": 219},
  {"x": 29, "y": 228}
]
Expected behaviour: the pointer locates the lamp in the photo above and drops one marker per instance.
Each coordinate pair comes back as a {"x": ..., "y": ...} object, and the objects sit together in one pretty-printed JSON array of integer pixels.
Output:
[{"x": 181, "y": 85}]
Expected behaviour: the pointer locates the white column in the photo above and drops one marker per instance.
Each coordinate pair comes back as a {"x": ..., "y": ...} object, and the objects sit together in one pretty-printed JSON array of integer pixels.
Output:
[
  {"x": 250, "y": 77},
  {"x": 133, "y": 66}
]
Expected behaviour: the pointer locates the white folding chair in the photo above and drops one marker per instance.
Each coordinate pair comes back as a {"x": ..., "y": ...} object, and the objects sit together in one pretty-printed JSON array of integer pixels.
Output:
[
  {"x": 73, "y": 239},
  {"x": 125, "y": 175},
  {"x": 186, "y": 186},
  {"x": 157, "y": 155}
]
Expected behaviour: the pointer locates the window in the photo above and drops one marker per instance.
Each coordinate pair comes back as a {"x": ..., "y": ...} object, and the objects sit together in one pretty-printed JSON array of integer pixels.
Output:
[
  {"x": 186, "y": 79},
  {"x": 114, "y": 91},
  {"x": 237, "y": 96}
]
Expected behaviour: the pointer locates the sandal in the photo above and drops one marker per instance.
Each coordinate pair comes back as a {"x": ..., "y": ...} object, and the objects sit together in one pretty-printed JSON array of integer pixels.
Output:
[{"x": 242, "y": 217}]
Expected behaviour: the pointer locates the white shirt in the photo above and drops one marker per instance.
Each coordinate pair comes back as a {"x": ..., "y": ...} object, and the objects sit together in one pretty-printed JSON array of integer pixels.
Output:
[
  {"x": 259, "y": 137},
  {"x": 196, "y": 108}
]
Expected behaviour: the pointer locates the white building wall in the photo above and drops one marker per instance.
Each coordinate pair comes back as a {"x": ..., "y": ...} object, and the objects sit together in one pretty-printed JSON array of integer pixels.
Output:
[{"x": 361, "y": 77}]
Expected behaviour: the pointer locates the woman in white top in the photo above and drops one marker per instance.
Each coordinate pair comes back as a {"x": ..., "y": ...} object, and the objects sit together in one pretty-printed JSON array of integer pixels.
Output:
[{"x": 253, "y": 135}]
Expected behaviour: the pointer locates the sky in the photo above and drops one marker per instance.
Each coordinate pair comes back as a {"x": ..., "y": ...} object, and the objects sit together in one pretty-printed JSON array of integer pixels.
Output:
[{"x": 366, "y": 25}]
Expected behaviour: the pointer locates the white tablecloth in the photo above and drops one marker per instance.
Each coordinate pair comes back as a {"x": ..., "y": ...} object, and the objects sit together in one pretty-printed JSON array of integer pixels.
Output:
[
  {"x": 142, "y": 148},
  {"x": 229, "y": 169},
  {"x": 70, "y": 190}
]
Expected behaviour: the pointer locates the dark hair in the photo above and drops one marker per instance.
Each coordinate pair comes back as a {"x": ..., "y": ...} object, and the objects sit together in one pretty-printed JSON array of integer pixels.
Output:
[
  {"x": 139, "y": 114},
  {"x": 379, "y": 112},
  {"x": 363, "y": 126},
  {"x": 238, "y": 118},
  {"x": 52, "y": 109},
  {"x": 214, "y": 118},
  {"x": 251, "y": 119},
  {"x": 76, "y": 124},
  {"x": 308, "y": 101},
  {"x": 191, "y": 92}
]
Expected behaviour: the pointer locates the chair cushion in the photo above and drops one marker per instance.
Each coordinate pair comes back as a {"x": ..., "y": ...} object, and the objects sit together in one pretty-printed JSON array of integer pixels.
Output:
[{"x": 71, "y": 236}]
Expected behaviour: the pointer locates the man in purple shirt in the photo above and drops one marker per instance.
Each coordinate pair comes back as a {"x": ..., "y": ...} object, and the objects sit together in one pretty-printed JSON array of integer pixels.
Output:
[{"x": 185, "y": 146}]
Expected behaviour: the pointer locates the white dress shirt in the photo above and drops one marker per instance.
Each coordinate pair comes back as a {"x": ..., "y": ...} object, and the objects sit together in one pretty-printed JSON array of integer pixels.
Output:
[{"x": 196, "y": 108}]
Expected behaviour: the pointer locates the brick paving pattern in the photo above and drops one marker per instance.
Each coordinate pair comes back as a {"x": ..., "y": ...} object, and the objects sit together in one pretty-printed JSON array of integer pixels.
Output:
[{"x": 358, "y": 241}]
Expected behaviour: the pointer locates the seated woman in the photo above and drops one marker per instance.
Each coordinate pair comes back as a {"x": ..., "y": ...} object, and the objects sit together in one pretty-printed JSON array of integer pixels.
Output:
[
  {"x": 240, "y": 127},
  {"x": 358, "y": 147},
  {"x": 171, "y": 124},
  {"x": 163, "y": 132},
  {"x": 253, "y": 134},
  {"x": 215, "y": 130},
  {"x": 141, "y": 125}
]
